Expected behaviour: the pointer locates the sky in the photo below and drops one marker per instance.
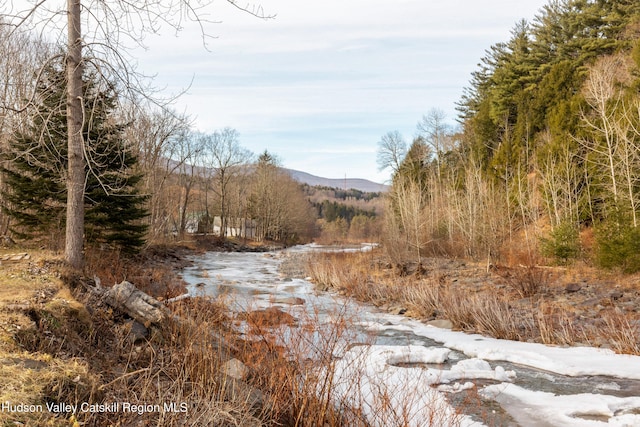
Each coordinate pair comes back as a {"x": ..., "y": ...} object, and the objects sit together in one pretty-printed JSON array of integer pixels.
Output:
[{"x": 322, "y": 82}]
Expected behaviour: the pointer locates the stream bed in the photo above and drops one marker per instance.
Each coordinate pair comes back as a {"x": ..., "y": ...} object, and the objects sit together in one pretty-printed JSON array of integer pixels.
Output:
[{"x": 433, "y": 376}]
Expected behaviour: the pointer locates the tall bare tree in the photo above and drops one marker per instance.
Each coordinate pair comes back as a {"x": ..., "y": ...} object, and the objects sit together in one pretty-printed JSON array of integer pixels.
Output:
[
  {"x": 613, "y": 143},
  {"x": 436, "y": 133},
  {"x": 391, "y": 151},
  {"x": 166, "y": 146},
  {"x": 224, "y": 156}
]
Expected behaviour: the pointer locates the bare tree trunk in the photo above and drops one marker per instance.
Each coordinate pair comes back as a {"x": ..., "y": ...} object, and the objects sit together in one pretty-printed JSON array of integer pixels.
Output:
[{"x": 76, "y": 166}]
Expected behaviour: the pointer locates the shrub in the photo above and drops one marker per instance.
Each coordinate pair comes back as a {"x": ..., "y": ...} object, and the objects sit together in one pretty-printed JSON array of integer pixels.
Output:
[
  {"x": 563, "y": 243},
  {"x": 618, "y": 246}
]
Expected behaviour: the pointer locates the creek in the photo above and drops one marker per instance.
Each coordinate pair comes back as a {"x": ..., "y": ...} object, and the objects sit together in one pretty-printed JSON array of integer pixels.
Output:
[{"x": 491, "y": 382}]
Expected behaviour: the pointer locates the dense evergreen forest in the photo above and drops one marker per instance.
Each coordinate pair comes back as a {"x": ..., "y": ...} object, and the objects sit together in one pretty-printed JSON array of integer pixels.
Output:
[{"x": 547, "y": 159}]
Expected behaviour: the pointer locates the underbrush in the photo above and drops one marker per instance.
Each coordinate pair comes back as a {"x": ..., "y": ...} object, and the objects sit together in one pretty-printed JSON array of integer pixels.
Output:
[
  {"x": 152, "y": 270},
  {"x": 516, "y": 303},
  {"x": 205, "y": 367}
]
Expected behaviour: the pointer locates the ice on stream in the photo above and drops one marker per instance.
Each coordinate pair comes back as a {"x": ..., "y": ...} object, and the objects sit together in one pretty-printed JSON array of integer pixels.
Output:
[{"x": 408, "y": 385}]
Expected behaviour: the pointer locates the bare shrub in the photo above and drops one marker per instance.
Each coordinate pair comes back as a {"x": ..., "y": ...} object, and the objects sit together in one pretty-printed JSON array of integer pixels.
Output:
[
  {"x": 158, "y": 279},
  {"x": 492, "y": 315},
  {"x": 482, "y": 313},
  {"x": 527, "y": 281},
  {"x": 182, "y": 364},
  {"x": 422, "y": 297},
  {"x": 295, "y": 368},
  {"x": 622, "y": 330},
  {"x": 458, "y": 308},
  {"x": 555, "y": 326}
]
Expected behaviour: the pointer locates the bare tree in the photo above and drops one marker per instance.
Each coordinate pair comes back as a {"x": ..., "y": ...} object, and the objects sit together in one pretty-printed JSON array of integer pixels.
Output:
[
  {"x": 165, "y": 146},
  {"x": 224, "y": 156},
  {"x": 391, "y": 151},
  {"x": 106, "y": 24},
  {"x": 613, "y": 147},
  {"x": 436, "y": 133}
]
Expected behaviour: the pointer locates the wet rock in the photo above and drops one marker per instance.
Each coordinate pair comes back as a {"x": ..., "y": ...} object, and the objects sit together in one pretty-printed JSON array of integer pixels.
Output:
[
  {"x": 573, "y": 287},
  {"x": 441, "y": 323},
  {"x": 235, "y": 369}
]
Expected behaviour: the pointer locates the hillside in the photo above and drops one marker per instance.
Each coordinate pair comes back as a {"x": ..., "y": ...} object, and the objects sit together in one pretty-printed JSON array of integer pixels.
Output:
[{"x": 346, "y": 183}]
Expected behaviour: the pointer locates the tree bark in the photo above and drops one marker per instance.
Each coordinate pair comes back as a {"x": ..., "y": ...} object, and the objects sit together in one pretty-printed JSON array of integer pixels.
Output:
[
  {"x": 74, "y": 235},
  {"x": 137, "y": 304}
]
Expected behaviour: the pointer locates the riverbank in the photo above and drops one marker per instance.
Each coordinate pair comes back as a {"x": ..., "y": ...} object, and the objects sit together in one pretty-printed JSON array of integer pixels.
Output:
[
  {"x": 61, "y": 345},
  {"x": 577, "y": 306},
  {"x": 69, "y": 359}
]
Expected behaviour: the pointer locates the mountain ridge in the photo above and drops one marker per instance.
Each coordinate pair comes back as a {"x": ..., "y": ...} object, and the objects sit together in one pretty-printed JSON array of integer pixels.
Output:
[{"x": 344, "y": 183}]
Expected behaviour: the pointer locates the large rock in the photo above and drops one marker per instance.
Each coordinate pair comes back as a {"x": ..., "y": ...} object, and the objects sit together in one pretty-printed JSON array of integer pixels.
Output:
[
  {"x": 235, "y": 369},
  {"x": 441, "y": 323}
]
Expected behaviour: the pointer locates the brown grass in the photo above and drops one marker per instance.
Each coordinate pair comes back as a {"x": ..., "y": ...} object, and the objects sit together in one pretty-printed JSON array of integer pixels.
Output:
[
  {"x": 527, "y": 281},
  {"x": 623, "y": 331},
  {"x": 523, "y": 308},
  {"x": 83, "y": 351},
  {"x": 152, "y": 271},
  {"x": 32, "y": 289}
]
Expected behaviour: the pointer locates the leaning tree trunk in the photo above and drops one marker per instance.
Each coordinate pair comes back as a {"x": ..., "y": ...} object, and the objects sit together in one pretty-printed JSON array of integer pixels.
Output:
[{"x": 74, "y": 235}]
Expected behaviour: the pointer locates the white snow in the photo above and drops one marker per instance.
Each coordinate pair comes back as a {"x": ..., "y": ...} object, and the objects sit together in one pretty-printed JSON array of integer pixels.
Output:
[
  {"x": 366, "y": 378},
  {"x": 535, "y": 408},
  {"x": 570, "y": 361}
]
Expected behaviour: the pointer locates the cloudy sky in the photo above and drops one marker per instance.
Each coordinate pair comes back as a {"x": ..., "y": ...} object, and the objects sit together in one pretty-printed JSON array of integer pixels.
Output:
[{"x": 320, "y": 83}]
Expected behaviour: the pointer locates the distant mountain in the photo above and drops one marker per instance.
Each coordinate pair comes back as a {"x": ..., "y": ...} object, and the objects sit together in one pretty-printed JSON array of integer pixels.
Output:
[{"x": 346, "y": 183}]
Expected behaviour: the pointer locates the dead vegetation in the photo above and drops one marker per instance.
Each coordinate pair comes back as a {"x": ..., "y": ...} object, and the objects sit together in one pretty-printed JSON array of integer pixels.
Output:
[
  {"x": 62, "y": 344},
  {"x": 554, "y": 306}
]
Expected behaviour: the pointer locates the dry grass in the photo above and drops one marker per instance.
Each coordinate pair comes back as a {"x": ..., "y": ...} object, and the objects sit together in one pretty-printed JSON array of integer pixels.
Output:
[
  {"x": 28, "y": 289},
  {"x": 308, "y": 381},
  {"x": 152, "y": 271},
  {"x": 181, "y": 365},
  {"x": 623, "y": 331},
  {"x": 522, "y": 309},
  {"x": 89, "y": 356},
  {"x": 527, "y": 281}
]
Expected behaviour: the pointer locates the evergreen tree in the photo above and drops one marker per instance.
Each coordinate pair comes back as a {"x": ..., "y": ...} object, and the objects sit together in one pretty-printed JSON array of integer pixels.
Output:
[{"x": 36, "y": 164}]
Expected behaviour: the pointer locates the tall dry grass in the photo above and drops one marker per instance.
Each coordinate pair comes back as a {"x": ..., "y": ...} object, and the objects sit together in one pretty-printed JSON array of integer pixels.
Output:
[
  {"x": 152, "y": 271},
  {"x": 363, "y": 277},
  {"x": 176, "y": 375}
]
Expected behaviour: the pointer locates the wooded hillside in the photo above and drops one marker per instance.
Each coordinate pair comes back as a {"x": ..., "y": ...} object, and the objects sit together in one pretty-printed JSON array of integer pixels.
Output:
[{"x": 547, "y": 159}]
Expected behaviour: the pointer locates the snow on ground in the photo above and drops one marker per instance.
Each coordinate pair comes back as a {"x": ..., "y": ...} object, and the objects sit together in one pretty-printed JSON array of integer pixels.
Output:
[
  {"x": 394, "y": 385},
  {"x": 570, "y": 361},
  {"x": 537, "y": 408},
  {"x": 368, "y": 379}
]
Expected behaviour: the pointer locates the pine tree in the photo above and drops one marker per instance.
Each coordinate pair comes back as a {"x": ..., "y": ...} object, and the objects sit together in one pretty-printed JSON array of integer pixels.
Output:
[{"x": 36, "y": 165}]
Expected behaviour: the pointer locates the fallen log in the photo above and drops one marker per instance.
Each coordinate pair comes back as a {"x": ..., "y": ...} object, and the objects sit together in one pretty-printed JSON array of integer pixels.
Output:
[
  {"x": 135, "y": 303},
  {"x": 147, "y": 310}
]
